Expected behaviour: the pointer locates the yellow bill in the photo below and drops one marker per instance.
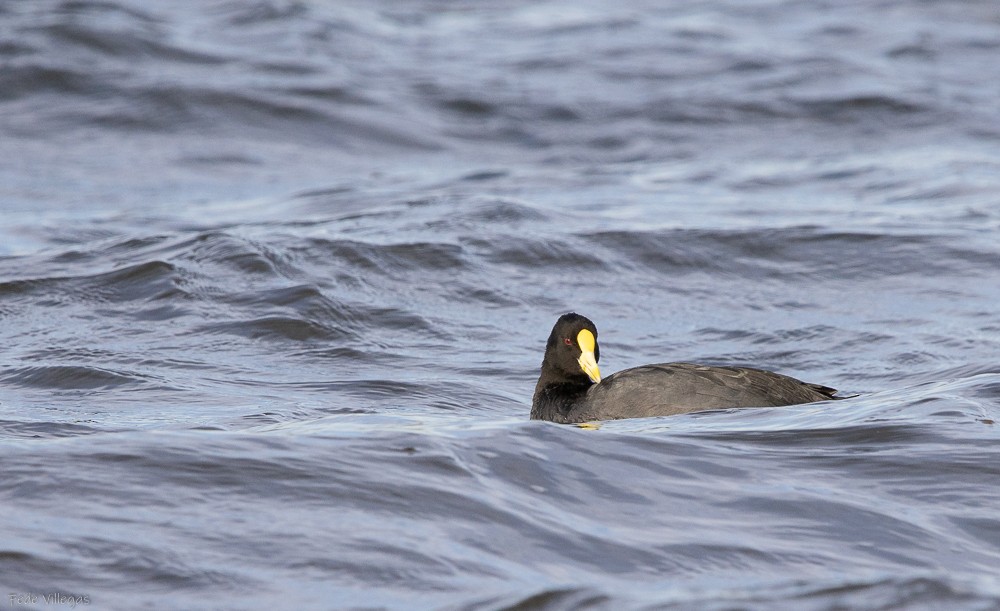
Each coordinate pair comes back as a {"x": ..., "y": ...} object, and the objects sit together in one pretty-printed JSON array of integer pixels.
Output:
[{"x": 588, "y": 362}]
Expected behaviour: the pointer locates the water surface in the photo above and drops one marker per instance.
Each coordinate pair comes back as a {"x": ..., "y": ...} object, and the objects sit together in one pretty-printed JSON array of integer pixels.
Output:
[{"x": 275, "y": 280}]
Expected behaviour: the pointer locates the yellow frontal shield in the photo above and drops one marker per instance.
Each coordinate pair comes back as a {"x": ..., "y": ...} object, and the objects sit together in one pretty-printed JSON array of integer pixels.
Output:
[{"x": 588, "y": 362}]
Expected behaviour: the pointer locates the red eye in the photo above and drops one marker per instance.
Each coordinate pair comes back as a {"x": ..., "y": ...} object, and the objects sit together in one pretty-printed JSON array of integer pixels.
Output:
[{"x": 568, "y": 341}]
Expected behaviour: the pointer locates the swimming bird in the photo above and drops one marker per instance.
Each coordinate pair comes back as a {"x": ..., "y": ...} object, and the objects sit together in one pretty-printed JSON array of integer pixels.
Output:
[{"x": 570, "y": 387}]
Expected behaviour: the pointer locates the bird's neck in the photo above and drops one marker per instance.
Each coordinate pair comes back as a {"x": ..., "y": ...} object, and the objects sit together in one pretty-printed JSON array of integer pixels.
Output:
[{"x": 556, "y": 393}]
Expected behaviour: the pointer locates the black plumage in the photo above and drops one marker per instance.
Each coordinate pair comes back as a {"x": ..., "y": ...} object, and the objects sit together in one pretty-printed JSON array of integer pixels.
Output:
[{"x": 566, "y": 393}]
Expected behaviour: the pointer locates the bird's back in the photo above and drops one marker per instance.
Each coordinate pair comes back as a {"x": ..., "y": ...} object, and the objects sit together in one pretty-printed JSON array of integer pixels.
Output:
[{"x": 675, "y": 388}]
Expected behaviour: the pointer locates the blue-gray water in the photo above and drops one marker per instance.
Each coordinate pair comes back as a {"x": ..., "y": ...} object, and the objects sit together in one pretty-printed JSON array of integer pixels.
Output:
[{"x": 275, "y": 280}]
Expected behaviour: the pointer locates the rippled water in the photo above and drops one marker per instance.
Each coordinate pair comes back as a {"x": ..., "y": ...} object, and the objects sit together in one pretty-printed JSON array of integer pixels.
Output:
[{"x": 275, "y": 280}]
